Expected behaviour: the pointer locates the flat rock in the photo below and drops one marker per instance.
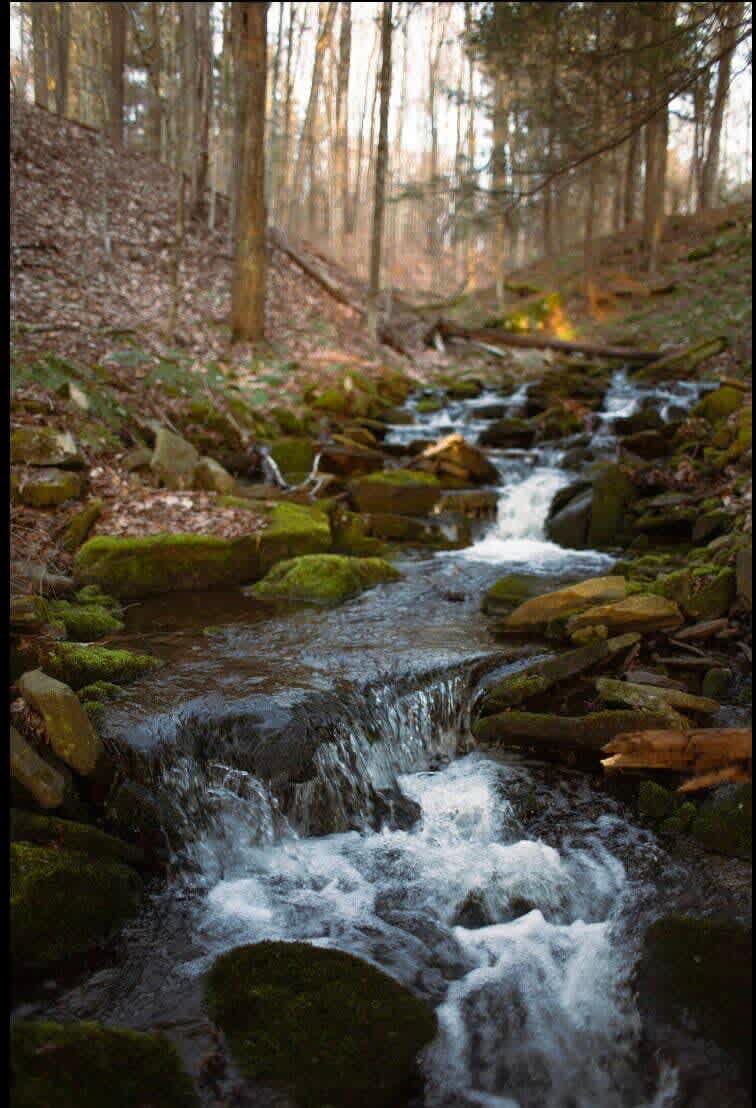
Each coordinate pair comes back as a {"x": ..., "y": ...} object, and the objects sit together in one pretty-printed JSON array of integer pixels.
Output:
[
  {"x": 47, "y": 488},
  {"x": 540, "y": 610},
  {"x": 67, "y": 726},
  {"x": 634, "y": 613},
  {"x": 44, "y": 446}
]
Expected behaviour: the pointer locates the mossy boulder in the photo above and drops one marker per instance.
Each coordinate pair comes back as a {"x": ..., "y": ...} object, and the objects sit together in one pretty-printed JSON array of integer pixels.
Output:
[
  {"x": 723, "y": 823},
  {"x": 700, "y": 970},
  {"x": 64, "y": 903},
  {"x": 428, "y": 404},
  {"x": 48, "y": 488},
  {"x": 323, "y": 578},
  {"x": 509, "y": 433},
  {"x": 509, "y": 592},
  {"x": 86, "y": 1065},
  {"x": 29, "y": 827},
  {"x": 67, "y": 728},
  {"x": 80, "y": 665},
  {"x": 719, "y": 404},
  {"x": 133, "y": 568},
  {"x": 613, "y": 494},
  {"x": 397, "y": 492},
  {"x": 80, "y": 525},
  {"x": 702, "y": 592},
  {"x": 352, "y": 534},
  {"x": 293, "y": 456},
  {"x": 655, "y": 802},
  {"x": 44, "y": 446},
  {"x": 37, "y": 778},
  {"x": 331, "y": 1029}
]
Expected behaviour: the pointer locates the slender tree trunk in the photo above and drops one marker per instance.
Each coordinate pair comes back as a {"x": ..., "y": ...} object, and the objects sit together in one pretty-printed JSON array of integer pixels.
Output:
[
  {"x": 62, "y": 51},
  {"x": 594, "y": 172},
  {"x": 731, "y": 16},
  {"x": 204, "y": 98},
  {"x": 117, "y": 14},
  {"x": 153, "y": 124},
  {"x": 274, "y": 160},
  {"x": 632, "y": 165},
  {"x": 357, "y": 192},
  {"x": 379, "y": 196},
  {"x": 499, "y": 160},
  {"x": 305, "y": 158},
  {"x": 656, "y": 135},
  {"x": 341, "y": 158},
  {"x": 39, "y": 47},
  {"x": 248, "y": 287},
  {"x": 284, "y": 204}
]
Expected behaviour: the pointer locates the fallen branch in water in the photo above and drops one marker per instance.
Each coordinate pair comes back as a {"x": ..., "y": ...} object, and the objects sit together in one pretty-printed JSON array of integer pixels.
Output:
[
  {"x": 711, "y": 754},
  {"x": 446, "y": 330}
]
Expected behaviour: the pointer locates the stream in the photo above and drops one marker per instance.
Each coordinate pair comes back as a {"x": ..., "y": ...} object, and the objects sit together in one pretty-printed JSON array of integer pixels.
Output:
[{"x": 510, "y": 893}]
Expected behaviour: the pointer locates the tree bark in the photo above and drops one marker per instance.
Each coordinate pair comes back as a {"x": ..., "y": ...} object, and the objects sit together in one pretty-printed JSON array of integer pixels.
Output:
[
  {"x": 731, "y": 16},
  {"x": 248, "y": 285},
  {"x": 117, "y": 15},
  {"x": 39, "y": 47},
  {"x": 379, "y": 197},
  {"x": 153, "y": 124},
  {"x": 499, "y": 182},
  {"x": 62, "y": 51},
  {"x": 327, "y": 13},
  {"x": 341, "y": 152},
  {"x": 632, "y": 164}
]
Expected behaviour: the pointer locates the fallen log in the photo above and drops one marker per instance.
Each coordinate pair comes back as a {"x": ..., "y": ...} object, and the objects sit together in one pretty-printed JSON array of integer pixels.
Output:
[
  {"x": 447, "y": 330},
  {"x": 701, "y": 750},
  {"x": 314, "y": 271},
  {"x": 730, "y": 775}
]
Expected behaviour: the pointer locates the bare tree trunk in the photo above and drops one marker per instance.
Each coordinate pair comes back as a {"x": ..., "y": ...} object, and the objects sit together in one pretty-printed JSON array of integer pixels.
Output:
[
  {"x": 62, "y": 18},
  {"x": 341, "y": 159},
  {"x": 730, "y": 19},
  {"x": 204, "y": 98},
  {"x": 632, "y": 165},
  {"x": 248, "y": 286},
  {"x": 274, "y": 160},
  {"x": 656, "y": 135},
  {"x": 379, "y": 196},
  {"x": 39, "y": 47},
  {"x": 117, "y": 14},
  {"x": 153, "y": 122},
  {"x": 327, "y": 13},
  {"x": 594, "y": 172},
  {"x": 288, "y": 109},
  {"x": 499, "y": 160}
]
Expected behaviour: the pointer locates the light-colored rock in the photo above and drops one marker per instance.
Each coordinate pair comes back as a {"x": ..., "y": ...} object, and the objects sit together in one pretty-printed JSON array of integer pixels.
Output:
[
  {"x": 621, "y": 692},
  {"x": 635, "y": 613},
  {"x": 47, "y": 488},
  {"x": 44, "y": 446},
  {"x": 211, "y": 475},
  {"x": 453, "y": 451},
  {"x": 67, "y": 726},
  {"x": 174, "y": 460},
  {"x": 540, "y": 610},
  {"x": 44, "y": 783}
]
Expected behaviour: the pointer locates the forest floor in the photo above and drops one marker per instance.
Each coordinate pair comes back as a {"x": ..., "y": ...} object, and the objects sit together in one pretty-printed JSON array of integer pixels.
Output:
[{"x": 90, "y": 309}]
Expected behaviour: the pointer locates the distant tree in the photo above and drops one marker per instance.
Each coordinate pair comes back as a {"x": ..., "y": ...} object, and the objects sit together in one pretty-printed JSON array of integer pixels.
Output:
[
  {"x": 379, "y": 195},
  {"x": 117, "y": 18}
]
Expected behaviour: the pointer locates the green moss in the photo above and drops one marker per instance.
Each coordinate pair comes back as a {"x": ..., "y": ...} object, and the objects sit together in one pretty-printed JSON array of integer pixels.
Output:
[
  {"x": 403, "y": 478},
  {"x": 98, "y": 690},
  {"x": 509, "y": 592},
  {"x": 655, "y": 802},
  {"x": 78, "y": 665},
  {"x": 350, "y": 535},
  {"x": 93, "y": 594},
  {"x": 86, "y": 1065},
  {"x": 723, "y": 824},
  {"x": 613, "y": 493},
  {"x": 464, "y": 389},
  {"x": 324, "y": 578},
  {"x": 718, "y": 404},
  {"x": 703, "y": 592},
  {"x": 703, "y": 968},
  {"x": 48, "y": 488},
  {"x": 80, "y": 526},
  {"x": 63, "y": 903},
  {"x": 30, "y": 827},
  {"x": 679, "y": 822},
  {"x": 293, "y": 455},
  {"x": 428, "y": 404},
  {"x": 334, "y": 1030},
  {"x": 85, "y": 622}
]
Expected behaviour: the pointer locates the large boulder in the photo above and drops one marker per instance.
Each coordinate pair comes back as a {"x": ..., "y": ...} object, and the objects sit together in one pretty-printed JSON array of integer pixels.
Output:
[
  {"x": 31, "y": 827},
  {"x": 397, "y": 491},
  {"x": 454, "y": 457},
  {"x": 613, "y": 494},
  {"x": 64, "y": 903},
  {"x": 511, "y": 433},
  {"x": 35, "y": 776},
  {"x": 211, "y": 475},
  {"x": 719, "y": 404},
  {"x": 80, "y": 664},
  {"x": 330, "y": 1028},
  {"x": 323, "y": 578},
  {"x": 133, "y": 568},
  {"x": 723, "y": 823},
  {"x": 347, "y": 459},
  {"x": 86, "y": 1065},
  {"x": 48, "y": 488},
  {"x": 294, "y": 456},
  {"x": 67, "y": 726},
  {"x": 509, "y": 592},
  {"x": 174, "y": 460},
  {"x": 569, "y": 525},
  {"x": 44, "y": 446}
]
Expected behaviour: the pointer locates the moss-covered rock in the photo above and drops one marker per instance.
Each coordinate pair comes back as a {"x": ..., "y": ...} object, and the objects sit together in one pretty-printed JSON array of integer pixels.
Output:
[
  {"x": 293, "y": 456},
  {"x": 48, "y": 488},
  {"x": 719, "y": 404},
  {"x": 509, "y": 433},
  {"x": 63, "y": 903},
  {"x": 634, "y": 613},
  {"x": 80, "y": 665},
  {"x": 174, "y": 460},
  {"x": 351, "y": 534},
  {"x": 293, "y": 530},
  {"x": 44, "y": 446},
  {"x": 86, "y": 1065},
  {"x": 613, "y": 494},
  {"x": 333, "y": 1030},
  {"x": 37, "y": 778},
  {"x": 537, "y": 611},
  {"x": 98, "y": 690},
  {"x": 67, "y": 729},
  {"x": 655, "y": 802},
  {"x": 28, "y": 613},
  {"x": 700, "y": 592},
  {"x": 723, "y": 823},
  {"x": 323, "y": 578},
  {"x": 590, "y": 732},
  {"x": 29, "y": 827},
  {"x": 80, "y": 525},
  {"x": 85, "y": 622},
  {"x": 678, "y": 823},
  {"x": 427, "y": 404},
  {"x": 701, "y": 969},
  {"x": 210, "y": 475},
  {"x": 397, "y": 491}
]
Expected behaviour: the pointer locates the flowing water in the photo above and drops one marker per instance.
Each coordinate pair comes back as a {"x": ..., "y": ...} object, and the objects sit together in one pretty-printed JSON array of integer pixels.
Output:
[{"x": 510, "y": 894}]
